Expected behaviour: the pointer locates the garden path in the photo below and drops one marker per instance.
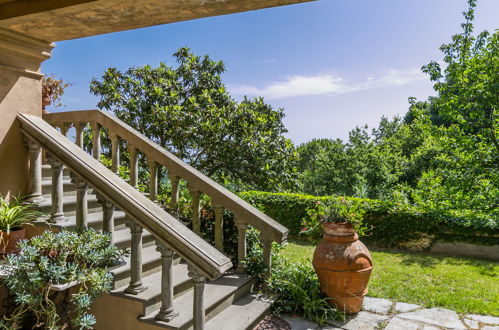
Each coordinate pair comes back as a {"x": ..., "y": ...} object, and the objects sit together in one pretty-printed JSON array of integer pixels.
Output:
[{"x": 385, "y": 314}]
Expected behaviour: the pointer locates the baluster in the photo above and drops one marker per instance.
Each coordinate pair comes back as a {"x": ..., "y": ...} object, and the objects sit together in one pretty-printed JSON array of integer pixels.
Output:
[
  {"x": 57, "y": 211},
  {"x": 64, "y": 129},
  {"x": 35, "y": 169},
  {"x": 166, "y": 312},
  {"x": 198, "y": 311},
  {"x": 174, "y": 181},
  {"x": 135, "y": 287},
  {"x": 267, "y": 256},
  {"x": 134, "y": 171},
  {"x": 96, "y": 140},
  {"x": 108, "y": 215},
  {"x": 241, "y": 244},
  {"x": 115, "y": 152},
  {"x": 219, "y": 227},
  {"x": 79, "y": 134},
  {"x": 81, "y": 201},
  {"x": 196, "y": 222},
  {"x": 153, "y": 183}
]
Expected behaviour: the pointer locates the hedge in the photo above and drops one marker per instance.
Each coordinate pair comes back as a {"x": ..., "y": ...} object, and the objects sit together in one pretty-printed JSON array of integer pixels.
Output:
[{"x": 390, "y": 223}]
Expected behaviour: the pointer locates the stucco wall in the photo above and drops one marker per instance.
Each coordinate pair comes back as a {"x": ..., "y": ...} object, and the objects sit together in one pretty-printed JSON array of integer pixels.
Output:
[{"x": 20, "y": 91}]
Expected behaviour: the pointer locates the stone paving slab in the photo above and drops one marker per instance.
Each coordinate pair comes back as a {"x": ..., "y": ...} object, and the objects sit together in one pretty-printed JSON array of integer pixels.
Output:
[
  {"x": 486, "y": 319},
  {"x": 362, "y": 321},
  {"x": 435, "y": 316},
  {"x": 376, "y": 305},
  {"x": 298, "y": 323},
  {"x": 401, "y": 307},
  {"x": 472, "y": 324},
  {"x": 380, "y": 314},
  {"x": 401, "y": 324}
]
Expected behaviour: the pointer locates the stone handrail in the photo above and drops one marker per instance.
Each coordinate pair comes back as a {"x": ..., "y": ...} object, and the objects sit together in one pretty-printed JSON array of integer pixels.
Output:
[
  {"x": 207, "y": 260},
  {"x": 244, "y": 212}
]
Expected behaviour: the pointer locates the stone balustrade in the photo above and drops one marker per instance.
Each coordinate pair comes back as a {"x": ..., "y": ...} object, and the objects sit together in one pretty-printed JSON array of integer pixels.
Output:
[
  {"x": 172, "y": 237},
  {"x": 197, "y": 183}
]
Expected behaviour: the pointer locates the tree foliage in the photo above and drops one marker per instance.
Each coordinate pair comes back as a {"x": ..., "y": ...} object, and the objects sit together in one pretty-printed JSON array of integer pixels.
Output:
[
  {"x": 444, "y": 153},
  {"x": 188, "y": 111}
]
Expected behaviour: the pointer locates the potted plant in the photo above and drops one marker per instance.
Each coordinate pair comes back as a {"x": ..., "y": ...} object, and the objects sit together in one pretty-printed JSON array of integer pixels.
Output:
[
  {"x": 55, "y": 278},
  {"x": 14, "y": 216},
  {"x": 52, "y": 90},
  {"x": 342, "y": 263}
]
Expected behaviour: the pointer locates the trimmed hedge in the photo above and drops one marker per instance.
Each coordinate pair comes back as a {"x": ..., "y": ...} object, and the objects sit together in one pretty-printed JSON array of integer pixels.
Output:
[{"x": 390, "y": 223}]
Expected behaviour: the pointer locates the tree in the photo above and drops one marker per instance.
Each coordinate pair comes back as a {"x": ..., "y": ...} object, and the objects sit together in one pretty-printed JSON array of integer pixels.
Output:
[
  {"x": 323, "y": 165},
  {"x": 443, "y": 155},
  {"x": 188, "y": 111},
  {"x": 465, "y": 174},
  {"x": 468, "y": 88}
]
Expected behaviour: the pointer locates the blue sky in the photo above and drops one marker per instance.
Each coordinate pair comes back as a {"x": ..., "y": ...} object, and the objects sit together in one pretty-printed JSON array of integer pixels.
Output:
[{"x": 331, "y": 64}]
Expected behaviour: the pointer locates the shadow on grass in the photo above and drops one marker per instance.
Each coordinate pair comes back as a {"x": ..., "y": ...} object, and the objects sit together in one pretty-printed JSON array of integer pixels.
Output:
[{"x": 485, "y": 267}]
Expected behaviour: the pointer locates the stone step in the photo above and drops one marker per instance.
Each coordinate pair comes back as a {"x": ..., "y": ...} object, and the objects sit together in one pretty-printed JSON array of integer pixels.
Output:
[
  {"x": 218, "y": 295},
  {"x": 243, "y": 314},
  {"x": 151, "y": 263},
  {"x": 69, "y": 205},
  {"x": 68, "y": 187},
  {"x": 229, "y": 302},
  {"x": 122, "y": 238},
  {"x": 95, "y": 220},
  {"x": 47, "y": 172},
  {"x": 151, "y": 298}
]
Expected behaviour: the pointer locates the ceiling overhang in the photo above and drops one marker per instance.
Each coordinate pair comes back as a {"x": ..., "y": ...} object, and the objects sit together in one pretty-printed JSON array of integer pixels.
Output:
[{"x": 56, "y": 20}]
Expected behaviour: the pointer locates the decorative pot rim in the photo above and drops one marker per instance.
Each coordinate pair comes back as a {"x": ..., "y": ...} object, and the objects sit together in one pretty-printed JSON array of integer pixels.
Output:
[
  {"x": 338, "y": 229},
  {"x": 13, "y": 230}
]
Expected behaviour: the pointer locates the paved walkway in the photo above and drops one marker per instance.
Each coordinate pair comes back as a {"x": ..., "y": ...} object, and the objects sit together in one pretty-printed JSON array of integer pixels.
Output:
[{"x": 385, "y": 314}]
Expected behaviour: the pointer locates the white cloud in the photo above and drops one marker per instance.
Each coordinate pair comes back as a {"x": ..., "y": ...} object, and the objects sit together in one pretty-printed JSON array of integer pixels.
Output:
[{"x": 326, "y": 85}]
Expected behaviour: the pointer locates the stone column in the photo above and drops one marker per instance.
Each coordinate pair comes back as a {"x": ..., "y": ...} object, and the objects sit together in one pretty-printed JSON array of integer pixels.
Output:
[
  {"x": 20, "y": 92},
  {"x": 107, "y": 215},
  {"x": 241, "y": 244},
  {"x": 134, "y": 170},
  {"x": 79, "y": 128},
  {"x": 135, "y": 286},
  {"x": 267, "y": 256},
  {"x": 64, "y": 129},
  {"x": 81, "y": 201},
  {"x": 153, "y": 179},
  {"x": 174, "y": 181},
  {"x": 196, "y": 220},
  {"x": 198, "y": 311},
  {"x": 57, "y": 211},
  {"x": 96, "y": 140},
  {"x": 115, "y": 152},
  {"x": 35, "y": 169},
  {"x": 166, "y": 312},
  {"x": 219, "y": 227}
]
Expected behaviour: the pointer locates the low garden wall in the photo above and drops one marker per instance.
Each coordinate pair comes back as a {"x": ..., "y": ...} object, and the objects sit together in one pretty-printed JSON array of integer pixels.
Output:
[{"x": 390, "y": 224}]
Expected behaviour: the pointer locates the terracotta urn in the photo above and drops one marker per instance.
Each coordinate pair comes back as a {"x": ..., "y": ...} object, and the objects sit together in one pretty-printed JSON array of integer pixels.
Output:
[
  {"x": 8, "y": 242},
  {"x": 343, "y": 265}
]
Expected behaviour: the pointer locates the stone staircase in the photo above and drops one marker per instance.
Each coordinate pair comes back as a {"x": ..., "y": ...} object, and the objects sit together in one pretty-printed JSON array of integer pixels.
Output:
[{"x": 230, "y": 301}]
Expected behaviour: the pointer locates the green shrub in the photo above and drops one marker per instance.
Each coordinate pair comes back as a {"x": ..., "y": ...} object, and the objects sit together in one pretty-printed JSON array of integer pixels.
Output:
[
  {"x": 297, "y": 291},
  {"x": 287, "y": 209},
  {"x": 52, "y": 259},
  {"x": 387, "y": 223},
  {"x": 293, "y": 286},
  {"x": 16, "y": 213}
]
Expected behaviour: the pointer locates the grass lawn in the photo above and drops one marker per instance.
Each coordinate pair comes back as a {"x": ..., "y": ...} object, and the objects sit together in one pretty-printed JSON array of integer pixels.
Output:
[{"x": 466, "y": 285}]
